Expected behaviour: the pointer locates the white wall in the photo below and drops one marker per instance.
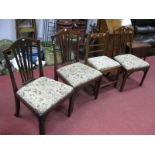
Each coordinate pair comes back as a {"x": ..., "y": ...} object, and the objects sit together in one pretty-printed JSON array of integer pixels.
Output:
[{"x": 7, "y": 29}]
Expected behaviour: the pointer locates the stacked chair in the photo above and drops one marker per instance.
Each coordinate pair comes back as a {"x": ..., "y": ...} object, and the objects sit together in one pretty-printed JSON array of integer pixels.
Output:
[
  {"x": 95, "y": 56},
  {"x": 70, "y": 70},
  {"x": 129, "y": 62}
]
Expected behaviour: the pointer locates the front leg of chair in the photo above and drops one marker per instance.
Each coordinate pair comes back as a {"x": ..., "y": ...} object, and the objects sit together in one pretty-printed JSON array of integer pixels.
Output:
[
  {"x": 144, "y": 75},
  {"x": 97, "y": 87},
  {"x": 41, "y": 120},
  {"x": 125, "y": 76},
  {"x": 17, "y": 102}
]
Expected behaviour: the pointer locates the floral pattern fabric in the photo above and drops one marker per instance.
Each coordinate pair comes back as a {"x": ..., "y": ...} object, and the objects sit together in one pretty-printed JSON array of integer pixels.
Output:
[
  {"x": 77, "y": 74},
  {"x": 43, "y": 93},
  {"x": 103, "y": 63},
  {"x": 129, "y": 61}
]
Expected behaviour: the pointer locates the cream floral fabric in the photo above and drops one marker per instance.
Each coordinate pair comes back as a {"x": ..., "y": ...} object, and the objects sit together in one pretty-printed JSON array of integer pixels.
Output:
[
  {"x": 129, "y": 61},
  {"x": 43, "y": 93},
  {"x": 77, "y": 74},
  {"x": 103, "y": 63}
]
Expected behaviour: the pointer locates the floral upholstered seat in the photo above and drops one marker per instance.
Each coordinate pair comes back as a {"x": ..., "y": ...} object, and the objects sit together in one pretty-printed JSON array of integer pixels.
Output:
[
  {"x": 77, "y": 74},
  {"x": 43, "y": 93},
  {"x": 103, "y": 63},
  {"x": 131, "y": 62}
]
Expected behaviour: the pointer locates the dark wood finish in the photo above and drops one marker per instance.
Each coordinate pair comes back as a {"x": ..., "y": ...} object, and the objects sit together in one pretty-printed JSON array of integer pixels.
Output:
[
  {"x": 97, "y": 45},
  {"x": 64, "y": 23},
  {"x": 109, "y": 25},
  {"x": 67, "y": 41},
  {"x": 22, "y": 50},
  {"x": 139, "y": 48},
  {"x": 123, "y": 36},
  {"x": 76, "y": 24},
  {"x": 29, "y": 29}
]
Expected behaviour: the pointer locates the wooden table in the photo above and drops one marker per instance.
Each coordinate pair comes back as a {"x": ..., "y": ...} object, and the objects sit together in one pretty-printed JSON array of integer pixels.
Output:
[{"x": 140, "y": 48}]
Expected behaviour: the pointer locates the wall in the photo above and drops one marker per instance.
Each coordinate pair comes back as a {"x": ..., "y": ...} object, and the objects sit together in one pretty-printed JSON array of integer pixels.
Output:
[{"x": 7, "y": 29}]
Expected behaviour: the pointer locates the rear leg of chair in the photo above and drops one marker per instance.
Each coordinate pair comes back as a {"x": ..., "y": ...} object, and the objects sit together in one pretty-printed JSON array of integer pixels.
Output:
[
  {"x": 97, "y": 87},
  {"x": 117, "y": 76},
  {"x": 144, "y": 76},
  {"x": 41, "y": 120},
  {"x": 71, "y": 102},
  {"x": 125, "y": 76},
  {"x": 71, "y": 106},
  {"x": 56, "y": 77},
  {"x": 17, "y": 102}
]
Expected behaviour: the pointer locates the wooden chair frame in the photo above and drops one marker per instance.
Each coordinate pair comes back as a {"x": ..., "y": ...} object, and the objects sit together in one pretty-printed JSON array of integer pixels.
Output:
[
  {"x": 22, "y": 49},
  {"x": 97, "y": 43},
  {"x": 68, "y": 41},
  {"x": 122, "y": 36}
]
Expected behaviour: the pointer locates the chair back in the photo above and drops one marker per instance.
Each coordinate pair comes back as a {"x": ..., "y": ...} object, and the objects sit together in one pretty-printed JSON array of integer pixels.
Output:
[
  {"x": 22, "y": 51},
  {"x": 96, "y": 45},
  {"x": 121, "y": 37},
  {"x": 67, "y": 44}
]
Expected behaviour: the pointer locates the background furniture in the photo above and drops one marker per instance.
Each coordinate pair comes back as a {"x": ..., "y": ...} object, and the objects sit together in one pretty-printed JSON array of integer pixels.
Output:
[
  {"x": 39, "y": 94},
  {"x": 4, "y": 44},
  {"x": 144, "y": 30},
  {"x": 49, "y": 29},
  {"x": 77, "y": 24},
  {"x": 109, "y": 25},
  {"x": 26, "y": 28},
  {"x": 129, "y": 62},
  {"x": 139, "y": 48},
  {"x": 70, "y": 70}
]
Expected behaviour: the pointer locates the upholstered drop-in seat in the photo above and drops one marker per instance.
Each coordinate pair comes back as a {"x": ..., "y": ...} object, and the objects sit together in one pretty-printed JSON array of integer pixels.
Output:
[
  {"x": 43, "y": 93},
  {"x": 78, "y": 74},
  {"x": 131, "y": 62},
  {"x": 103, "y": 63}
]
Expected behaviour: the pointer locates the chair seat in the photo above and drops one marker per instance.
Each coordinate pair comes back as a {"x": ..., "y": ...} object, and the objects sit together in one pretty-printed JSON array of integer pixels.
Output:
[
  {"x": 131, "y": 62},
  {"x": 78, "y": 74},
  {"x": 103, "y": 63},
  {"x": 43, "y": 93}
]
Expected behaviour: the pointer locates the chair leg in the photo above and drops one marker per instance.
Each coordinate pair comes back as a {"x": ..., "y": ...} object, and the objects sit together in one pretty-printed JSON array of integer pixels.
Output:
[
  {"x": 41, "y": 125},
  {"x": 97, "y": 87},
  {"x": 124, "y": 80},
  {"x": 17, "y": 107},
  {"x": 71, "y": 102},
  {"x": 117, "y": 76},
  {"x": 144, "y": 76},
  {"x": 71, "y": 106},
  {"x": 56, "y": 77}
]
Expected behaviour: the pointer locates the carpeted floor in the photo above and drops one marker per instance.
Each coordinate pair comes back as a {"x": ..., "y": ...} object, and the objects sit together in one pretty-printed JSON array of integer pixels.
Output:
[{"x": 129, "y": 112}]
